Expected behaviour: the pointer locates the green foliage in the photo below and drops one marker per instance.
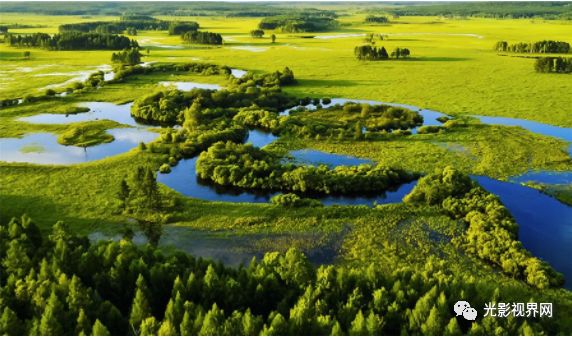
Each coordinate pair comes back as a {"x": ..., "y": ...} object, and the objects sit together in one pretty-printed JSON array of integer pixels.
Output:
[
  {"x": 243, "y": 166},
  {"x": 257, "y": 33},
  {"x": 553, "y": 65},
  {"x": 372, "y": 53},
  {"x": 298, "y": 23},
  {"x": 130, "y": 57},
  {"x": 179, "y": 28},
  {"x": 72, "y": 41},
  {"x": 121, "y": 284},
  {"x": 376, "y": 19},
  {"x": 84, "y": 136},
  {"x": 492, "y": 233},
  {"x": 202, "y": 37},
  {"x": 542, "y": 47},
  {"x": 293, "y": 200}
]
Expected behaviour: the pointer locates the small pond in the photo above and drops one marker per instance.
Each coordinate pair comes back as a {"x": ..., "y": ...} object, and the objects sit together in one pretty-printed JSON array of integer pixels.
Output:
[
  {"x": 232, "y": 249},
  {"x": 97, "y": 111},
  {"x": 238, "y": 73},
  {"x": 43, "y": 147}
]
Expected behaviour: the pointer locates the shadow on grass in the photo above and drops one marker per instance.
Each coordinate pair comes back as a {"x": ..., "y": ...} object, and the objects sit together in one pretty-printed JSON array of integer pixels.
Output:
[{"x": 439, "y": 59}]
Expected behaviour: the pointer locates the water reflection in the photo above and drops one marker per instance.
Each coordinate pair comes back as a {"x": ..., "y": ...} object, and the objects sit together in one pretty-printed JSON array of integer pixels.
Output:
[{"x": 43, "y": 148}]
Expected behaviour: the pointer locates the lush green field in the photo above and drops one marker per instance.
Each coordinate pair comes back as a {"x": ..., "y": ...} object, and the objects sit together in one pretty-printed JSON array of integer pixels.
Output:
[{"x": 452, "y": 69}]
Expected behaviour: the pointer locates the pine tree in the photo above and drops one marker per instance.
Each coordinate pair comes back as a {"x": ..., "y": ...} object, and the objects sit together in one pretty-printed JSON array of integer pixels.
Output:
[
  {"x": 167, "y": 329},
  {"x": 213, "y": 322},
  {"x": 10, "y": 324},
  {"x": 373, "y": 324},
  {"x": 186, "y": 327},
  {"x": 148, "y": 327},
  {"x": 358, "y": 327},
  {"x": 140, "y": 308},
  {"x": 50, "y": 323},
  {"x": 452, "y": 328},
  {"x": 99, "y": 329},
  {"x": 123, "y": 194},
  {"x": 83, "y": 327},
  {"x": 434, "y": 324}
]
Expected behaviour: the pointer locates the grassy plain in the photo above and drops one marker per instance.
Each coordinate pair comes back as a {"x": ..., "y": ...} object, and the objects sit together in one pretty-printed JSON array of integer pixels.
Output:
[{"x": 453, "y": 68}]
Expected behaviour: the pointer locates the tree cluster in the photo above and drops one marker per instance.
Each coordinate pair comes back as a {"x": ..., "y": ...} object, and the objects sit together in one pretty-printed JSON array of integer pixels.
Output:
[
  {"x": 201, "y": 37},
  {"x": 168, "y": 106},
  {"x": 179, "y": 28},
  {"x": 538, "y": 47},
  {"x": 62, "y": 284},
  {"x": 130, "y": 56},
  {"x": 257, "y": 33},
  {"x": 117, "y": 27},
  {"x": 298, "y": 23},
  {"x": 244, "y": 166},
  {"x": 349, "y": 121},
  {"x": 492, "y": 232},
  {"x": 376, "y": 19},
  {"x": 72, "y": 41},
  {"x": 372, "y": 53},
  {"x": 553, "y": 65}
]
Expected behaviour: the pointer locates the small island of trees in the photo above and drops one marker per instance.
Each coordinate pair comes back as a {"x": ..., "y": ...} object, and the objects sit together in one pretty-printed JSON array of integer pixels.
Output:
[
  {"x": 200, "y": 37},
  {"x": 539, "y": 47},
  {"x": 372, "y": 53},
  {"x": 376, "y": 19}
]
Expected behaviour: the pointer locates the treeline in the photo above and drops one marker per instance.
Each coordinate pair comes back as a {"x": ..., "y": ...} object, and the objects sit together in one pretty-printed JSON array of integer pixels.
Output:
[
  {"x": 492, "y": 233},
  {"x": 540, "y": 47},
  {"x": 130, "y": 56},
  {"x": 376, "y": 19},
  {"x": 553, "y": 65},
  {"x": 546, "y": 10},
  {"x": 372, "y": 53},
  {"x": 72, "y": 41},
  {"x": 244, "y": 166},
  {"x": 202, "y": 37},
  {"x": 299, "y": 23},
  {"x": 179, "y": 28},
  {"x": 62, "y": 284}
]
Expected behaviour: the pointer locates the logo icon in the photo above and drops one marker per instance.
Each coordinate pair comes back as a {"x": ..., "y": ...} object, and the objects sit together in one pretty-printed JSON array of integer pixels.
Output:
[{"x": 463, "y": 308}]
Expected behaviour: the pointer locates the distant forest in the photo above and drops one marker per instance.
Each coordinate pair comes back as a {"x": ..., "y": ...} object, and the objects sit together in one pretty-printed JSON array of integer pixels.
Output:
[{"x": 547, "y": 10}]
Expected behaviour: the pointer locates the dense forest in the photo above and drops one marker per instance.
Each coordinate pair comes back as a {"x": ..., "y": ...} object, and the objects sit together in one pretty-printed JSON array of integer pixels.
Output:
[
  {"x": 546, "y": 10},
  {"x": 202, "y": 37},
  {"x": 553, "y": 65},
  {"x": 541, "y": 47},
  {"x": 72, "y": 41},
  {"x": 372, "y": 53},
  {"x": 62, "y": 284},
  {"x": 298, "y": 23}
]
